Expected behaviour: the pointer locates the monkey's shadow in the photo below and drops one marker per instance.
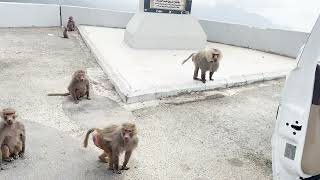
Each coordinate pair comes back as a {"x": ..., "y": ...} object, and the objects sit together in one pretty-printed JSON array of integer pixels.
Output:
[{"x": 98, "y": 112}]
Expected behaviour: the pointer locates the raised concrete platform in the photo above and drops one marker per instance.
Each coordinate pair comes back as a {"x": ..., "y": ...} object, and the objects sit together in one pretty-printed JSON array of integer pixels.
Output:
[{"x": 141, "y": 75}]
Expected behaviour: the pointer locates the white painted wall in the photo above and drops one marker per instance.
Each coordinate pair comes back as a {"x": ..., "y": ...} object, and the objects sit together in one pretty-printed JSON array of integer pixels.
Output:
[
  {"x": 282, "y": 42},
  {"x": 95, "y": 17},
  {"x": 27, "y": 15}
]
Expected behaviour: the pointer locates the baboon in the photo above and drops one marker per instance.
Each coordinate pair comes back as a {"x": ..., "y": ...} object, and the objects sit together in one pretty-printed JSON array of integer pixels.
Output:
[
  {"x": 65, "y": 33},
  {"x": 78, "y": 87},
  {"x": 71, "y": 26},
  {"x": 207, "y": 60},
  {"x": 12, "y": 136},
  {"x": 114, "y": 140}
]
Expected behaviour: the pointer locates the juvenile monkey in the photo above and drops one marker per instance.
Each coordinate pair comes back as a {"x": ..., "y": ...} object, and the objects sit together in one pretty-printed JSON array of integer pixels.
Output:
[
  {"x": 65, "y": 32},
  {"x": 207, "y": 59},
  {"x": 71, "y": 26},
  {"x": 78, "y": 87},
  {"x": 12, "y": 136},
  {"x": 114, "y": 140}
]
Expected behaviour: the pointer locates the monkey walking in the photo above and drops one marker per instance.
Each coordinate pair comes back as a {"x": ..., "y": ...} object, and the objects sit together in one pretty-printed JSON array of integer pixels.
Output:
[
  {"x": 12, "y": 136},
  {"x": 78, "y": 87},
  {"x": 207, "y": 59},
  {"x": 71, "y": 25},
  {"x": 114, "y": 140}
]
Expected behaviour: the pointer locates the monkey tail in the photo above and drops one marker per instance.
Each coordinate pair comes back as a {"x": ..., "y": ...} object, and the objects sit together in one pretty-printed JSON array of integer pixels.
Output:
[
  {"x": 59, "y": 94},
  {"x": 187, "y": 59},
  {"x": 85, "y": 142}
]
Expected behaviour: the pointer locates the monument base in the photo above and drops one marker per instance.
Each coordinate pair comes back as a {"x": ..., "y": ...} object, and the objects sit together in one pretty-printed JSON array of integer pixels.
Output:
[{"x": 164, "y": 31}]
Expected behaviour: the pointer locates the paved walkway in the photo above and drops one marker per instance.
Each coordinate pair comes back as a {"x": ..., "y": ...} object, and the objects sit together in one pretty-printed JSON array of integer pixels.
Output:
[
  {"x": 223, "y": 139},
  {"x": 141, "y": 75}
]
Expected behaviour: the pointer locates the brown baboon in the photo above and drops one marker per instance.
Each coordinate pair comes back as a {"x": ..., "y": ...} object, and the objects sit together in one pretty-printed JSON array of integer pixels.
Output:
[
  {"x": 65, "y": 33},
  {"x": 71, "y": 26},
  {"x": 207, "y": 60},
  {"x": 12, "y": 136},
  {"x": 114, "y": 140},
  {"x": 78, "y": 87}
]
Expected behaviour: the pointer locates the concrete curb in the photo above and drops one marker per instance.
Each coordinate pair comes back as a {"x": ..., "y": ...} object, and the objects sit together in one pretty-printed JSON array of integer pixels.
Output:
[
  {"x": 229, "y": 82},
  {"x": 128, "y": 95},
  {"x": 120, "y": 84}
]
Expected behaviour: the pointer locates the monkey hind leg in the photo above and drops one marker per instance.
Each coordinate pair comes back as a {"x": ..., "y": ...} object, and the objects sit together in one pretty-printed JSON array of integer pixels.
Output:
[
  {"x": 195, "y": 73},
  {"x": 6, "y": 153},
  {"x": 203, "y": 76},
  {"x": 88, "y": 95},
  {"x": 17, "y": 150},
  {"x": 210, "y": 76}
]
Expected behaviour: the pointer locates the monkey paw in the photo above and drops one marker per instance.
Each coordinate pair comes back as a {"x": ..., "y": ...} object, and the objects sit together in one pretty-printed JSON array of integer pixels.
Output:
[
  {"x": 211, "y": 79},
  {"x": 76, "y": 102},
  {"x": 8, "y": 159},
  {"x": 88, "y": 98},
  {"x": 117, "y": 171},
  {"x": 21, "y": 155},
  {"x": 15, "y": 156},
  {"x": 124, "y": 168}
]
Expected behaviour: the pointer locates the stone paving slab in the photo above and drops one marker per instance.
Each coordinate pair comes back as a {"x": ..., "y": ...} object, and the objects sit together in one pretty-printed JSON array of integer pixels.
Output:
[{"x": 142, "y": 75}]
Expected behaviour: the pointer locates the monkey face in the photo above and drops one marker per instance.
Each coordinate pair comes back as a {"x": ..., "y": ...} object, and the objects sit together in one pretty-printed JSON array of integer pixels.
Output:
[
  {"x": 128, "y": 130},
  {"x": 8, "y": 116},
  {"x": 127, "y": 134},
  {"x": 71, "y": 18},
  {"x": 215, "y": 57},
  {"x": 80, "y": 75}
]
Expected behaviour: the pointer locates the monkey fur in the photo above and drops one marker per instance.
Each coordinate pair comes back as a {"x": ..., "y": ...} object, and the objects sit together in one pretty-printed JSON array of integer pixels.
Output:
[
  {"x": 114, "y": 140},
  {"x": 12, "y": 136},
  {"x": 71, "y": 26},
  {"x": 78, "y": 87},
  {"x": 207, "y": 59}
]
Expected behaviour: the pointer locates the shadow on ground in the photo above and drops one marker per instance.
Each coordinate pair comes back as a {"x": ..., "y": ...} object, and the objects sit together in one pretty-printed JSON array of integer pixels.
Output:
[
  {"x": 57, "y": 156},
  {"x": 98, "y": 112}
]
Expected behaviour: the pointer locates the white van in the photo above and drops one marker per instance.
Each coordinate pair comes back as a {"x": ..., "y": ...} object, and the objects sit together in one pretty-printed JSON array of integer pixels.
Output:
[{"x": 296, "y": 138}]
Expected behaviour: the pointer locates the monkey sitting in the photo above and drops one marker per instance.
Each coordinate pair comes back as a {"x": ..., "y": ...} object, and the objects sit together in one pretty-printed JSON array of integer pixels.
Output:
[
  {"x": 12, "y": 136},
  {"x": 78, "y": 87},
  {"x": 71, "y": 25},
  {"x": 207, "y": 59},
  {"x": 114, "y": 140}
]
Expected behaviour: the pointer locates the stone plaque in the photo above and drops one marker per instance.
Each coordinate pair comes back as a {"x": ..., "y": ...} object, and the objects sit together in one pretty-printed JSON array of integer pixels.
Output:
[{"x": 168, "y": 6}]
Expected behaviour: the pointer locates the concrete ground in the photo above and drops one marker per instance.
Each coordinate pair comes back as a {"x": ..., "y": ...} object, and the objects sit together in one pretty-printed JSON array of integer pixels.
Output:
[
  {"x": 159, "y": 73},
  {"x": 224, "y": 138}
]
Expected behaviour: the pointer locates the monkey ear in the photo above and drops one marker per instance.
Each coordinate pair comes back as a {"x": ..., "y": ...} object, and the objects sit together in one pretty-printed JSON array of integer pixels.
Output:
[{"x": 133, "y": 125}]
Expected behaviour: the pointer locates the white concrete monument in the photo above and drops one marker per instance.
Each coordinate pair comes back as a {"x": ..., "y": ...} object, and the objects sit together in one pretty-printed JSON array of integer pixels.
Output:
[{"x": 165, "y": 24}]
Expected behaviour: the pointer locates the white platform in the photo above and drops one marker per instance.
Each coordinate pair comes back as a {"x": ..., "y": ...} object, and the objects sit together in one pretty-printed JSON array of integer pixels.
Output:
[{"x": 141, "y": 75}]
